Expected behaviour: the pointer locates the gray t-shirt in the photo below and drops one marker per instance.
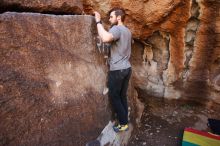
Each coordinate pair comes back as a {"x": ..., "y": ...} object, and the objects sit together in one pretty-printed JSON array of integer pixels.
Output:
[{"x": 121, "y": 48}]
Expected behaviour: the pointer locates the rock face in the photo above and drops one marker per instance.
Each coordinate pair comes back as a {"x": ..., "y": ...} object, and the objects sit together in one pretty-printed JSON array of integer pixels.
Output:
[
  {"x": 51, "y": 80},
  {"x": 176, "y": 49},
  {"x": 202, "y": 79},
  {"x": 142, "y": 15},
  {"x": 43, "y": 6}
]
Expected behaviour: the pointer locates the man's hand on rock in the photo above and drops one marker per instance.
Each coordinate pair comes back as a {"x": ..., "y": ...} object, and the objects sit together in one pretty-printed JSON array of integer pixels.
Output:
[{"x": 97, "y": 16}]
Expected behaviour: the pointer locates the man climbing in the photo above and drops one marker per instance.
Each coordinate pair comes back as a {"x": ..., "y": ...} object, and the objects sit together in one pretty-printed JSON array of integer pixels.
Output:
[{"x": 120, "y": 68}]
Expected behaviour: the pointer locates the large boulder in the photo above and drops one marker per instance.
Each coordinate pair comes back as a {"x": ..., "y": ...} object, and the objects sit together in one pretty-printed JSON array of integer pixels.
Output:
[
  {"x": 51, "y": 80},
  {"x": 43, "y": 6}
]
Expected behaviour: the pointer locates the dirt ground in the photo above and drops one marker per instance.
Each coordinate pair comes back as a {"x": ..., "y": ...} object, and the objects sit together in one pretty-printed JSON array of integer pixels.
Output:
[{"x": 163, "y": 121}]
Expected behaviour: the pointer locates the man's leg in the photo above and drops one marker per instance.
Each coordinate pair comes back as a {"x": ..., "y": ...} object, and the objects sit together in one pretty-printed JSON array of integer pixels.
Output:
[
  {"x": 114, "y": 84},
  {"x": 124, "y": 88}
]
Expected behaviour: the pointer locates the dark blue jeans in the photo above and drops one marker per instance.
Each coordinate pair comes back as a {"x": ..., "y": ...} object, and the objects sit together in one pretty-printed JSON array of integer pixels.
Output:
[{"x": 118, "y": 85}]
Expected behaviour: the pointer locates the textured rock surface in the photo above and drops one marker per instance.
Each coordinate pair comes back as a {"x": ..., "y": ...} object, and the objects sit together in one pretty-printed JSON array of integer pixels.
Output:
[
  {"x": 44, "y": 6},
  {"x": 142, "y": 15},
  {"x": 51, "y": 80},
  {"x": 202, "y": 81}
]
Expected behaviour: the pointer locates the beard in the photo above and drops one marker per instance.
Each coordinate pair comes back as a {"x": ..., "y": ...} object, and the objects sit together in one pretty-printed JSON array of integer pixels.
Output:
[{"x": 114, "y": 23}]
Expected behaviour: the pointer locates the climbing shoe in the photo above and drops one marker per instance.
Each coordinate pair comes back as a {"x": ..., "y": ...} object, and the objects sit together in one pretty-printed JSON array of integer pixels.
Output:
[{"x": 120, "y": 128}]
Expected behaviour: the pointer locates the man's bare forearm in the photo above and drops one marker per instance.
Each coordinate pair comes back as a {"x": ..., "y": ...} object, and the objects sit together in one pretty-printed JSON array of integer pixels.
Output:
[{"x": 105, "y": 36}]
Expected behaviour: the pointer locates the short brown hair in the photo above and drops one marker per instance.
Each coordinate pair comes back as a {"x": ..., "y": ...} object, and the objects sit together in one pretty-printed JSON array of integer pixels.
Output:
[{"x": 118, "y": 12}]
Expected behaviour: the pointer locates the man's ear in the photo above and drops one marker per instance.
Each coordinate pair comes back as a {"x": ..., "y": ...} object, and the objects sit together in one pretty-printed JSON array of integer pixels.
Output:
[{"x": 119, "y": 18}]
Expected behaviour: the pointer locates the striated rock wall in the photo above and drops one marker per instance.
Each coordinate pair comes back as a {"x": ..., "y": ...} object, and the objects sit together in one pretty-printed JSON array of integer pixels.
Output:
[{"x": 204, "y": 69}]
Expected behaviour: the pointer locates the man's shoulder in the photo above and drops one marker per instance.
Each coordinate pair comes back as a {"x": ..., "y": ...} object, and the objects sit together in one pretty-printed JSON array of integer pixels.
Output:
[
  {"x": 115, "y": 27},
  {"x": 120, "y": 28},
  {"x": 125, "y": 28}
]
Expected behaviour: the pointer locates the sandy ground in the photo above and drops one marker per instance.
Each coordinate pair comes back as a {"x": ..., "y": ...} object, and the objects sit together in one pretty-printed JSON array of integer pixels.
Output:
[{"x": 163, "y": 121}]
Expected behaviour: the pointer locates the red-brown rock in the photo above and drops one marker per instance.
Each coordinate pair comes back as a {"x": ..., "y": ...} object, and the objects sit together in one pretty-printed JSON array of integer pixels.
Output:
[
  {"x": 203, "y": 82},
  {"x": 51, "y": 80},
  {"x": 143, "y": 17}
]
